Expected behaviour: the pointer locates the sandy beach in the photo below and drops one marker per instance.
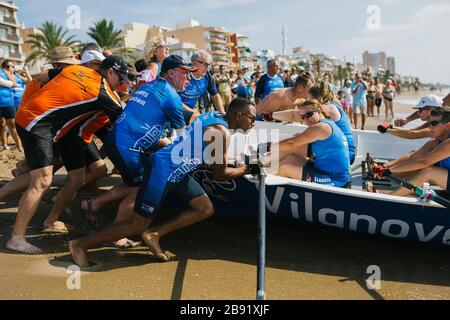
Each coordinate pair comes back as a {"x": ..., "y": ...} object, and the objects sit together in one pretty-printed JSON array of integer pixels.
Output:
[{"x": 217, "y": 259}]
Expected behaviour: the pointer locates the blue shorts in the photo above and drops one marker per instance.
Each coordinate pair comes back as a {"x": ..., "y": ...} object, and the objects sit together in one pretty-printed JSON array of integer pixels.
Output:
[
  {"x": 8, "y": 112},
  {"x": 312, "y": 174},
  {"x": 129, "y": 163},
  {"x": 155, "y": 189}
]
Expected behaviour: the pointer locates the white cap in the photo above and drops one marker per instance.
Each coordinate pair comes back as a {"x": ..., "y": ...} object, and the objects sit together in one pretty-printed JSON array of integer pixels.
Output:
[
  {"x": 431, "y": 100},
  {"x": 92, "y": 55}
]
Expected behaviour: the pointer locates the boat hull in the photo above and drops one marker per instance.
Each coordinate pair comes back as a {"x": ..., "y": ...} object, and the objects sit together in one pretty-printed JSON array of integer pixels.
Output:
[{"x": 357, "y": 211}]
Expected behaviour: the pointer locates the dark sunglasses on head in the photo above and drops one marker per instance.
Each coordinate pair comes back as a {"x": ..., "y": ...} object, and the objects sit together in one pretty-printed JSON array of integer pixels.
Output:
[
  {"x": 205, "y": 64},
  {"x": 435, "y": 123},
  {"x": 308, "y": 115}
]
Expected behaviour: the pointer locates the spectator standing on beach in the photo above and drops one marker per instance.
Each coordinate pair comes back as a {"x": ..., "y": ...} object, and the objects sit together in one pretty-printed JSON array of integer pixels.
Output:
[
  {"x": 201, "y": 82},
  {"x": 8, "y": 83},
  {"x": 371, "y": 95},
  {"x": 224, "y": 85},
  {"x": 269, "y": 82},
  {"x": 389, "y": 95},
  {"x": 378, "y": 95},
  {"x": 233, "y": 83},
  {"x": 155, "y": 52},
  {"x": 241, "y": 86},
  {"x": 359, "y": 91},
  {"x": 348, "y": 99},
  {"x": 288, "y": 83}
]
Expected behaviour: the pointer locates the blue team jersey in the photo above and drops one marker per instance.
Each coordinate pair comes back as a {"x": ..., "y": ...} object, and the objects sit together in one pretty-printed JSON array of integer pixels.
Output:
[
  {"x": 344, "y": 125},
  {"x": 140, "y": 126},
  {"x": 267, "y": 84},
  {"x": 187, "y": 152},
  {"x": 445, "y": 163},
  {"x": 332, "y": 156},
  {"x": 196, "y": 88}
]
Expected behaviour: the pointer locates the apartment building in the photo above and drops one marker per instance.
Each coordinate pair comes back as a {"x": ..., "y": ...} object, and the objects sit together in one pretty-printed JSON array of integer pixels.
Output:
[{"x": 10, "y": 40}]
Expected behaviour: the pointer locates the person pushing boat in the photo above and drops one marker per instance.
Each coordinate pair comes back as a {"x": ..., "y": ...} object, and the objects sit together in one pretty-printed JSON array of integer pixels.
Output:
[{"x": 203, "y": 143}]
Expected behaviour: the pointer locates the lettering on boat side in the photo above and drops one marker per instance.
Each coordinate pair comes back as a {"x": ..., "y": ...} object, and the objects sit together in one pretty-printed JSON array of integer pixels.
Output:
[
  {"x": 393, "y": 228},
  {"x": 301, "y": 208}
]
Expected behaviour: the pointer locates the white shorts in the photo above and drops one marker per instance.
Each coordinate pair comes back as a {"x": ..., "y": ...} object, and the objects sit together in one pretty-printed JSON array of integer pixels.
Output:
[{"x": 359, "y": 109}]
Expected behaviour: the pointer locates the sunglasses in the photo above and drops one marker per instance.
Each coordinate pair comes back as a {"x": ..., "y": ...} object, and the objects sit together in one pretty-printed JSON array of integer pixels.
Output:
[
  {"x": 10, "y": 66},
  {"x": 435, "y": 123},
  {"x": 425, "y": 108},
  {"x": 205, "y": 64},
  {"x": 308, "y": 115}
]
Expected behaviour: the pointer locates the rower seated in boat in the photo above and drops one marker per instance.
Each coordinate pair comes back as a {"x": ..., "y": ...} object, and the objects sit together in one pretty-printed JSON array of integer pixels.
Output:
[
  {"x": 330, "y": 160},
  {"x": 429, "y": 164},
  {"x": 325, "y": 95}
]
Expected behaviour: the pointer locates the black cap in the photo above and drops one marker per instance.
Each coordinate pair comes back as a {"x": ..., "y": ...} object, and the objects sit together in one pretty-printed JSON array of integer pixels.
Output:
[
  {"x": 174, "y": 62},
  {"x": 119, "y": 65}
]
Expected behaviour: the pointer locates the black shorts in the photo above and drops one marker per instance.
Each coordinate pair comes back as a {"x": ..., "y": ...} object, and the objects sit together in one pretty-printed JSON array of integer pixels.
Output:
[
  {"x": 75, "y": 154},
  {"x": 38, "y": 151},
  {"x": 102, "y": 133},
  {"x": 8, "y": 112},
  {"x": 150, "y": 200},
  {"x": 378, "y": 102}
]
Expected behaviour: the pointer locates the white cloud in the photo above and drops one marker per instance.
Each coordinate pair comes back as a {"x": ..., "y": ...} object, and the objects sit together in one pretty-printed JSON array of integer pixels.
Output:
[{"x": 413, "y": 42}]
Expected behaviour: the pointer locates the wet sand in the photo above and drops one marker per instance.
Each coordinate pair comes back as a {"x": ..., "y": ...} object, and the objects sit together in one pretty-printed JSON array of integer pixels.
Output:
[{"x": 217, "y": 260}]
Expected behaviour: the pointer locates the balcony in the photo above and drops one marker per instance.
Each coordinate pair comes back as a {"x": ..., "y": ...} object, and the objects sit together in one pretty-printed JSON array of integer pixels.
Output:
[
  {"x": 9, "y": 21},
  {"x": 221, "y": 40},
  {"x": 11, "y": 38}
]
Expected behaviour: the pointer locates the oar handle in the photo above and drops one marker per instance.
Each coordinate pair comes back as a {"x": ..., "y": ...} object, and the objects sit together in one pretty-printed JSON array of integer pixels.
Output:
[{"x": 419, "y": 191}]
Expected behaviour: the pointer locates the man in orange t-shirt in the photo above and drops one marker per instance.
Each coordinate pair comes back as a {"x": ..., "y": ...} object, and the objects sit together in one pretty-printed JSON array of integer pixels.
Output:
[{"x": 76, "y": 94}]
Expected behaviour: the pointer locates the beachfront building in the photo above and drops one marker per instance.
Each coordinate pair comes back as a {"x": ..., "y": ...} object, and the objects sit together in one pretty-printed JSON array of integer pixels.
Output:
[
  {"x": 376, "y": 61},
  {"x": 242, "y": 52},
  {"x": 37, "y": 66},
  {"x": 10, "y": 39},
  {"x": 301, "y": 57},
  {"x": 190, "y": 35},
  {"x": 215, "y": 40},
  {"x": 260, "y": 57},
  {"x": 391, "y": 65}
]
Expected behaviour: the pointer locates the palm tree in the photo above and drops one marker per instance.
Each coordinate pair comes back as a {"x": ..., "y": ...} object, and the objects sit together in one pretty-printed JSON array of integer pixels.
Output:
[
  {"x": 340, "y": 74},
  {"x": 107, "y": 37},
  {"x": 49, "y": 37}
]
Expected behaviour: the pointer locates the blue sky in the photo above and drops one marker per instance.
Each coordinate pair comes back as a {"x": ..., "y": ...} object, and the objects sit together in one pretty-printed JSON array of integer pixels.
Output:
[{"x": 415, "y": 32}]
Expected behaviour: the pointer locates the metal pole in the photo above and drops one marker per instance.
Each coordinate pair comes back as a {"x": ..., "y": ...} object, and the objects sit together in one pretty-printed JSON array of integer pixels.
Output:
[{"x": 260, "y": 294}]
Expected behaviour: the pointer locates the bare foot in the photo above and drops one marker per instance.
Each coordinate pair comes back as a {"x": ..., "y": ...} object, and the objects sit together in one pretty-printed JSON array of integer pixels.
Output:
[
  {"x": 126, "y": 244},
  {"x": 151, "y": 239},
  {"x": 21, "y": 245},
  {"x": 55, "y": 227},
  {"x": 78, "y": 255}
]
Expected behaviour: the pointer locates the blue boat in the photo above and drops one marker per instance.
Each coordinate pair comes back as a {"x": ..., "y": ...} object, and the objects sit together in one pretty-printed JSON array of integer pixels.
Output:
[{"x": 348, "y": 209}]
